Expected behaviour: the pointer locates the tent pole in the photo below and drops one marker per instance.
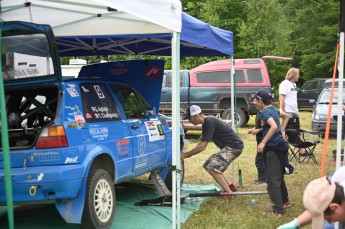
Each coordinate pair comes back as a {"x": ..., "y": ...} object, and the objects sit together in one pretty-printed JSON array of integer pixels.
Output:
[
  {"x": 176, "y": 202},
  {"x": 340, "y": 100},
  {"x": 341, "y": 77},
  {"x": 5, "y": 147},
  {"x": 232, "y": 102}
]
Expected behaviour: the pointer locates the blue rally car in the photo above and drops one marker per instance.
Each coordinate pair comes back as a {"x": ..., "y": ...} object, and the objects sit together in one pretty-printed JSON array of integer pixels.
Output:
[{"x": 71, "y": 140}]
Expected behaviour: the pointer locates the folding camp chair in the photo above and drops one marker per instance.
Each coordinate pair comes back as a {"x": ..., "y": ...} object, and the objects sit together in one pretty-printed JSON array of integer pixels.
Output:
[{"x": 299, "y": 139}]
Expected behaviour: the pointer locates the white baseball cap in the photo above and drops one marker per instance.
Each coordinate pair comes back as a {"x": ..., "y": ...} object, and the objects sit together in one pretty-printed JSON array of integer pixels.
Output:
[
  {"x": 191, "y": 111},
  {"x": 318, "y": 195}
]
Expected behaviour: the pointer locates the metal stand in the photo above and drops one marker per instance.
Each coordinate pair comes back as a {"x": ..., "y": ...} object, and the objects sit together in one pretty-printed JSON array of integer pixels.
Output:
[{"x": 161, "y": 188}]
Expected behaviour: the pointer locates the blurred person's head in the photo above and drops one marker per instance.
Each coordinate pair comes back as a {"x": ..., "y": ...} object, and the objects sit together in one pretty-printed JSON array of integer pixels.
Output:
[{"x": 324, "y": 200}]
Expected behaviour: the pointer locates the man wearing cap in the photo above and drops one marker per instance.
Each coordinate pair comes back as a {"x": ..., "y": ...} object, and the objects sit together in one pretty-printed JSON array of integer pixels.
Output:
[
  {"x": 276, "y": 149},
  {"x": 260, "y": 158},
  {"x": 323, "y": 200},
  {"x": 224, "y": 137}
]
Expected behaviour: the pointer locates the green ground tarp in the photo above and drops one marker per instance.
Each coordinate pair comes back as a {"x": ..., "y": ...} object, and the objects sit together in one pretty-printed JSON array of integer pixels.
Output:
[{"x": 127, "y": 215}]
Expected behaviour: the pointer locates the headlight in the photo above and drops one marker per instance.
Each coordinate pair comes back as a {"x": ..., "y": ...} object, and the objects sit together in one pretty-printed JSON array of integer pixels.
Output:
[{"x": 320, "y": 117}]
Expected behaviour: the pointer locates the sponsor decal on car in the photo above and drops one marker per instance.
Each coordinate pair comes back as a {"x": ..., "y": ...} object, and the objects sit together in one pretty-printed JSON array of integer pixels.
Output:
[
  {"x": 99, "y": 133},
  {"x": 72, "y": 92},
  {"x": 154, "y": 130}
]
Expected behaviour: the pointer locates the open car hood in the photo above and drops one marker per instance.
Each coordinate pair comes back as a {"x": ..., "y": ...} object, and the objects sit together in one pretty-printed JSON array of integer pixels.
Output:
[{"x": 145, "y": 76}]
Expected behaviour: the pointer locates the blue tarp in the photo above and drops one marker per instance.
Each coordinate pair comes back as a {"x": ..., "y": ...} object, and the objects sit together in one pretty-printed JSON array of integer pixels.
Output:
[
  {"x": 197, "y": 39},
  {"x": 127, "y": 215}
]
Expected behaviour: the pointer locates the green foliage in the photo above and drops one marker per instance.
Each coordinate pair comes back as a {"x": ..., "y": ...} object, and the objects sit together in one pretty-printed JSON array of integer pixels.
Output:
[
  {"x": 315, "y": 36},
  {"x": 303, "y": 29},
  {"x": 266, "y": 30}
]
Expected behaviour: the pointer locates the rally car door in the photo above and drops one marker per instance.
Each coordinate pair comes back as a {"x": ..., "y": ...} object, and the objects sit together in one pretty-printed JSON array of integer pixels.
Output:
[{"x": 149, "y": 143}]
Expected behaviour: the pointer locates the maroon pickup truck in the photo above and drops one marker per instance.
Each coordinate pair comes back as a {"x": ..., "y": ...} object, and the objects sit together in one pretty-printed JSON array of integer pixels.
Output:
[{"x": 208, "y": 86}]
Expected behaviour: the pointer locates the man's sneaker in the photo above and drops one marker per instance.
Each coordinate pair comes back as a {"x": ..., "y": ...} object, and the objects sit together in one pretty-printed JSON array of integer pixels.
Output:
[
  {"x": 232, "y": 187},
  {"x": 260, "y": 182},
  {"x": 287, "y": 205}
]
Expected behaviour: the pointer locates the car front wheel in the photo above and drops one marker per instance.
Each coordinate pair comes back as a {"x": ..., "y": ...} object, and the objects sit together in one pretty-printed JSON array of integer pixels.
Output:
[
  {"x": 169, "y": 181},
  {"x": 99, "y": 208}
]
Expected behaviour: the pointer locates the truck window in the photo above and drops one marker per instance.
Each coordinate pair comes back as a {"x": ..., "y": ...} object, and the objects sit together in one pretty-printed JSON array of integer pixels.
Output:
[
  {"x": 239, "y": 74},
  {"x": 167, "y": 79},
  {"x": 306, "y": 86},
  {"x": 254, "y": 76},
  {"x": 314, "y": 85},
  {"x": 98, "y": 104},
  {"x": 219, "y": 77},
  {"x": 26, "y": 56}
]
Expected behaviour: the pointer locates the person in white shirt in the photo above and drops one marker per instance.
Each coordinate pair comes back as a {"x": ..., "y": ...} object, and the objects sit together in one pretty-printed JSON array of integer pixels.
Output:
[{"x": 288, "y": 103}]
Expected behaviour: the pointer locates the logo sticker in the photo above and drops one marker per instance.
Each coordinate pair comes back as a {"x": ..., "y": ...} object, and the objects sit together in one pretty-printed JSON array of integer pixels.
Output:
[
  {"x": 141, "y": 144},
  {"x": 153, "y": 72}
]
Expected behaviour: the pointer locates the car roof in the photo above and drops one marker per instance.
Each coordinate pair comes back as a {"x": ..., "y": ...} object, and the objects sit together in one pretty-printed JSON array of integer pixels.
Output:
[
  {"x": 320, "y": 79},
  {"x": 328, "y": 83}
]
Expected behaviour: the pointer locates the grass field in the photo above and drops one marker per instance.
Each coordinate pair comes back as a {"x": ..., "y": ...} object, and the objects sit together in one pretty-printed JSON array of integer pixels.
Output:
[{"x": 240, "y": 213}]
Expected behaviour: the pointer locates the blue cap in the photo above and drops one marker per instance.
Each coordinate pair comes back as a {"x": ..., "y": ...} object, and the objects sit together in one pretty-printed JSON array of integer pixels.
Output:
[{"x": 264, "y": 95}]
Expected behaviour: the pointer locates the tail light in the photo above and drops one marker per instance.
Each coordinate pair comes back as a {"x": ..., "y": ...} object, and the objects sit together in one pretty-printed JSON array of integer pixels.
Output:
[{"x": 52, "y": 137}]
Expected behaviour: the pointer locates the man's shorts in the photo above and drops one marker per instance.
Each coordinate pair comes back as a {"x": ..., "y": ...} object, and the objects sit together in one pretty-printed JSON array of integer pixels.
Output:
[{"x": 221, "y": 160}]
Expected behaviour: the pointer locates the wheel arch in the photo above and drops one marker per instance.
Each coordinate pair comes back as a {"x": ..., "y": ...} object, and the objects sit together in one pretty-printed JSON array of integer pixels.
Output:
[
  {"x": 104, "y": 161},
  {"x": 241, "y": 103}
]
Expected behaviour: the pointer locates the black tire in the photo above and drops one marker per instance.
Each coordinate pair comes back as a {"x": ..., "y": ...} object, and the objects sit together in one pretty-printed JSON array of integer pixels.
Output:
[
  {"x": 240, "y": 116},
  {"x": 99, "y": 207},
  {"x": 168, "y": 179}
]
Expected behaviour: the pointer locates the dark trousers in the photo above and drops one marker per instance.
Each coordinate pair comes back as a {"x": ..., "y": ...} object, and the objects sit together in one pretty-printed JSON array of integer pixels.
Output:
[
  {"x": 293, "y": 124},
  {"x": 260, "y": 163},
  {"x": 276, "y": 186}
]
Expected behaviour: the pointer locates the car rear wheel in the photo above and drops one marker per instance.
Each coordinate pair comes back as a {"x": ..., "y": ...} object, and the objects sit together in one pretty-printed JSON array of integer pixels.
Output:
[{"x": 99, "y": 208}]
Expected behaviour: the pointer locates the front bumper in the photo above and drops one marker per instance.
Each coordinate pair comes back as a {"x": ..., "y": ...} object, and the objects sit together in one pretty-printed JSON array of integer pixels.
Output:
[{"x": 320, "y": 126}]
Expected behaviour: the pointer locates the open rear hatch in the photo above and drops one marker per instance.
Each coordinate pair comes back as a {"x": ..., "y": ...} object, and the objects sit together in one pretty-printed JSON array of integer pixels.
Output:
[{"x": 31, "y": 75}]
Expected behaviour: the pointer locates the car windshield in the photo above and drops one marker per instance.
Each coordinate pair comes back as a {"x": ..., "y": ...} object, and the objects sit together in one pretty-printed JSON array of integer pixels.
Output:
[
  {"x": 325, "y": 97},
  {"x": 26, "y": 56}
]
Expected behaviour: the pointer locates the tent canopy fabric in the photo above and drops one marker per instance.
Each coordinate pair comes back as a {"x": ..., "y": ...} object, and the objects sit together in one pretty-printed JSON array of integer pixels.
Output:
[
  {"x": 100, "y": 27},
  {"x": 97, "y": 17},
  {"x": 197, "y": 39}
]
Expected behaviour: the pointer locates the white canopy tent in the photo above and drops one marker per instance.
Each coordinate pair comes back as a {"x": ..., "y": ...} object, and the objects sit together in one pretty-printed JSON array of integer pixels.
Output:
[
  {"x": 94, "y": 18},
  {"x": 78, "y": 17},
  {"x": 97, "y": 17}
]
